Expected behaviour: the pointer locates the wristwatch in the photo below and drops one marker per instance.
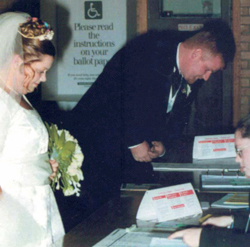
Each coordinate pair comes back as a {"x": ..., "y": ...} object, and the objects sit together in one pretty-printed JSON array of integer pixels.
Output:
[{"x": 231, "y": 226}]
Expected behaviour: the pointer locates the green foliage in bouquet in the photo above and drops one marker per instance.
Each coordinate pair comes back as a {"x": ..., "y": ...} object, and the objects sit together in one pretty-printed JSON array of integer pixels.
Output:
[{"x": 64, "y": 148}]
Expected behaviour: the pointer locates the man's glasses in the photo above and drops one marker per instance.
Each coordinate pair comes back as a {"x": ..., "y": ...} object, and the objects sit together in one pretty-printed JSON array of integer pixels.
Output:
[{"x": 239, "y": 150}]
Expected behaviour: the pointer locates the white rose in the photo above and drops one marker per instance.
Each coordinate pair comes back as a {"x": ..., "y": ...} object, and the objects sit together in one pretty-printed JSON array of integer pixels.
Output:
[
  {"x": 73, "y": 190},
  {"x": 78, "y": 159},
  {"x": 69, "y": 191},
  {"x": 78, "y": 149},
  {"x": 75, "y": 171},
  {"x": 69, "y": 137}
]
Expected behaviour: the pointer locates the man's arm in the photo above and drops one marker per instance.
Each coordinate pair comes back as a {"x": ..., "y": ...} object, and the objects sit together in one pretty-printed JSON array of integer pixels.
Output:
[
  {"x": 141, "y": 152},
  {"x": 157, "y": 150}
]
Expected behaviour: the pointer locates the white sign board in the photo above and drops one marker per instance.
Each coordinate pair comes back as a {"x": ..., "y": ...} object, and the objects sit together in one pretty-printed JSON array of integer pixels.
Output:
[
  {"x": 214, "y": 147},
  {"x": 88, "y": 33},
  {"x": 189, "y": 27}
]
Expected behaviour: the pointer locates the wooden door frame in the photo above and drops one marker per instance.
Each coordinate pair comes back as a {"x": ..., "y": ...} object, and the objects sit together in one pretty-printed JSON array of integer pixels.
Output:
[
  {"x": 141, "y": 16},
  {"x": 236, "y": 63}
]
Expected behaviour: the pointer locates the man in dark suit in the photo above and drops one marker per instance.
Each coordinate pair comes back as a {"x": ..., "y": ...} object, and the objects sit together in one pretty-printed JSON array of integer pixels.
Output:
[{"x": 141, "y": 102}]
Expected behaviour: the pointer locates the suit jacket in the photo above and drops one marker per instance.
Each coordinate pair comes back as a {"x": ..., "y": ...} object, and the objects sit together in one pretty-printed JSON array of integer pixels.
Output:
[
  {"x": 130, "y": 97},
  {"x": 126, "y": 105}
]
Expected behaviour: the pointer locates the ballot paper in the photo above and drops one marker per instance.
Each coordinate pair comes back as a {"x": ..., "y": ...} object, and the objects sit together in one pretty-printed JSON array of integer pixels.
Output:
[
  {"x": 232, "y": 201},
  {"x": 174, "y": 204},
  {"x": 214, "y": 147},
  {"x": 122, "y": 237}
]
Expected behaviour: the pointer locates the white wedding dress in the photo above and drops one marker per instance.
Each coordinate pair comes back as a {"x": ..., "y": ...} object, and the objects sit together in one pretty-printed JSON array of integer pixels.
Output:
[{"x": 29, "y": 215}]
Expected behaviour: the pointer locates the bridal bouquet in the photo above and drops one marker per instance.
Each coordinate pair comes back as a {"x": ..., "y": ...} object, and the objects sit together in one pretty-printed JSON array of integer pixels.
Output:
[{"x": 64, "y": 148}]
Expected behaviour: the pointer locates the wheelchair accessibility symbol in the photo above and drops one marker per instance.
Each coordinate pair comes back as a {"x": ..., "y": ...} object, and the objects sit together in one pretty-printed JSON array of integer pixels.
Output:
[{"x": 93, "y": 10}]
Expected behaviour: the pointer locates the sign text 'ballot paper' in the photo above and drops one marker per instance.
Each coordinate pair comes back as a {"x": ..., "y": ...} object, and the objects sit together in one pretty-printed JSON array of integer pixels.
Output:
[
  {"x": 214, "y": 147},
  {"x": 169, "y": 203}
]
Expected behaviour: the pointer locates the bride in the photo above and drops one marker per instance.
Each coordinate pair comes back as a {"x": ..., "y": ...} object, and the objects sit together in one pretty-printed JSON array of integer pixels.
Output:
[{"x": 29, "y": 214}]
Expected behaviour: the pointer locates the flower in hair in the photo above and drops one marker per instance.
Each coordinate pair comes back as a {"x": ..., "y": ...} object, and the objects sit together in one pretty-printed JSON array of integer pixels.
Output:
[
  {"x": 26, "y": 29},
  {"x": 46, "y": 24},
  {"x": 47, "y": 36}
]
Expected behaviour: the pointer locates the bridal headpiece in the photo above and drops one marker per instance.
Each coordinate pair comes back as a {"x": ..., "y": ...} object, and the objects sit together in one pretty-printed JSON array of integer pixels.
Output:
[{"x": 35, "y": 28}]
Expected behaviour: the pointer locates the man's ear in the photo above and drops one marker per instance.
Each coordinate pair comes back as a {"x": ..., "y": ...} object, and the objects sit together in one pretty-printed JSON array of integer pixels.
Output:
[{"x": 196, "y": 53}]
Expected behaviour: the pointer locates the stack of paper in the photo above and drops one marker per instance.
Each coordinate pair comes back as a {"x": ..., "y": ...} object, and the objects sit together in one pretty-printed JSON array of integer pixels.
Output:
[
  {"x": 238, "y": 199},
  {"x": 232, "y": 200},
  {"x": 169, "y": 206},
  {"x": 122, "y": 237}
]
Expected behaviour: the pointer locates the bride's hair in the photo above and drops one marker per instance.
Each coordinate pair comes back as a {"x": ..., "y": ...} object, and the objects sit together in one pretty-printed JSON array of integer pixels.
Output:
[
  {"x": 36, "y": 39},
  {"x": 18, "y": 48}
]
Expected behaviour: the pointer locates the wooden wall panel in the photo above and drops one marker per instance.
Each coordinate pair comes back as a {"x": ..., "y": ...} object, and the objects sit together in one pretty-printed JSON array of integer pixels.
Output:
[{"x": 142, "y": 18}]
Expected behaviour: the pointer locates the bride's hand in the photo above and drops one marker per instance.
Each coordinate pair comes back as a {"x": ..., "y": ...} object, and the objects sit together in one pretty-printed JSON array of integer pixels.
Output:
[{"x": 54, "y": 167}]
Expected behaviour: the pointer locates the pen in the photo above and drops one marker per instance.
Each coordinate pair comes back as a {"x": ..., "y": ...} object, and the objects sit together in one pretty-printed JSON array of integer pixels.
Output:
[
  {"x": 201, "y": 220},
  {"x": 247, "y": 223}
]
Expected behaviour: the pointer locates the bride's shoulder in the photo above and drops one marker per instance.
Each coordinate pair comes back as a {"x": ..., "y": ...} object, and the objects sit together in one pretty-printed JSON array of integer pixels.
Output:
[
  {"x": 3, "y": 96},
  {"x": 7, "y": 102}
]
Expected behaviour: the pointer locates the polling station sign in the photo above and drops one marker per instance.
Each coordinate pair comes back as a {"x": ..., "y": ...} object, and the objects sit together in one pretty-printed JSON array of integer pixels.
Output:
[{"x": 88, "y": 33}]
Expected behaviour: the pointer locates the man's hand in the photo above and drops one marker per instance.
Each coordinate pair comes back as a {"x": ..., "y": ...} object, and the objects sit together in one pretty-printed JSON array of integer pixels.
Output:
[
  {"x": 141, "y": 152},
  {"x": 222, "y": 221},
  {"x": 156, "y": 150},
  {"x": 190, "y": 236}
]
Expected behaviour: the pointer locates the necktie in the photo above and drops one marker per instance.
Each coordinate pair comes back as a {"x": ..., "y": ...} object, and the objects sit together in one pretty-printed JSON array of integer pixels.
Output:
[
  {"x": 179, "y": 83},
  {"x": 176, "y": 80}
]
